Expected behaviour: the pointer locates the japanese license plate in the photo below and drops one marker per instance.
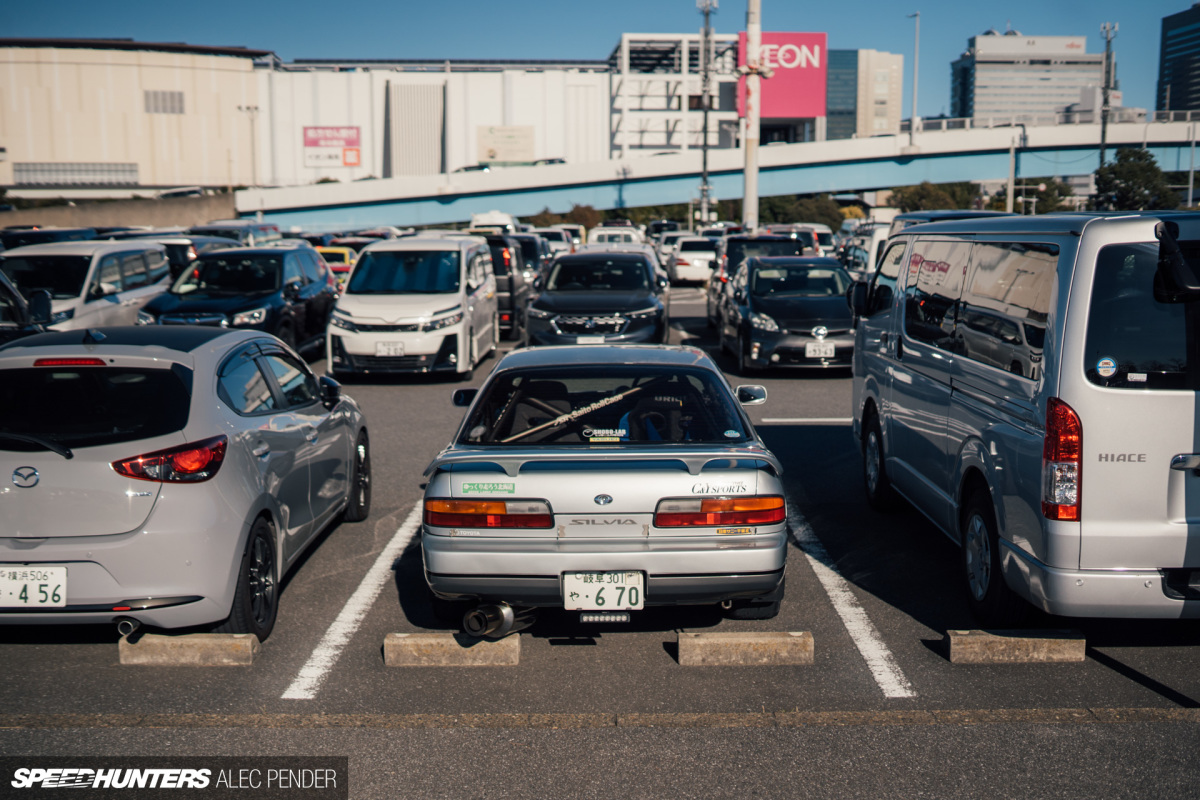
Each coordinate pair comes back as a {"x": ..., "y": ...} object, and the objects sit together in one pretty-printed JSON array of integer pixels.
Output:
[
  {"x": 589, "y": 340},
  {"x": 819, "y": 350},
  {"x": 33, "y": 587},
  {"x": 603, "y": 591},
  {"x": 389, "y": 349}
]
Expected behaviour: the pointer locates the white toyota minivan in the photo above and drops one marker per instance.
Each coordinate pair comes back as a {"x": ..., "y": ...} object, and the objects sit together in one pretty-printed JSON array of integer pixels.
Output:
[
  {"x": 1030, "y": 384},
  {"x": 416, "y": 305}
]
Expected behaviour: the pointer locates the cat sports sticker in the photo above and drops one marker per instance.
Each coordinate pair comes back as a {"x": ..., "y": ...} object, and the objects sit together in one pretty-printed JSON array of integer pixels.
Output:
[{"x": 1106, "y": 367}]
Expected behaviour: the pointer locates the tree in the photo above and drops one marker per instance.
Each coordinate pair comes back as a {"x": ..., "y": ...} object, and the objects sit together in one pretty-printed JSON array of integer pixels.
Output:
[
  {"x": 1052, "y": 198},
  {"x": 922, "y": 198},
  {"x": 1133, "y": 182}
]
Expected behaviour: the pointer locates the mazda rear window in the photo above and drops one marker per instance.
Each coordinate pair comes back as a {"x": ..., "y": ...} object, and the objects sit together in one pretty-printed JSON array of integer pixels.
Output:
[
  {"x": 1134, "y": 341},
  {"x": 91, "y": 406},
  {"x": 605, "y": 405}
]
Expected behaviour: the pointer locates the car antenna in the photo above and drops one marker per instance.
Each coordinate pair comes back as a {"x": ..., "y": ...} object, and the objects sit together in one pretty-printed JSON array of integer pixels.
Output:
[{"x": 93, "y": 336}]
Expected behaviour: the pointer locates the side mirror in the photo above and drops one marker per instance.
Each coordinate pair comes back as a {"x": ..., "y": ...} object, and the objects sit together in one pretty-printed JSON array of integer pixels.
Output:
[
  {"x": 292, "y": 290},
  {"x": 751, "y": 395},
  {"x": 857, "y": 298},
  {"x": 464, "y": 397},
  {"x": 1175, "y": 281},
  {"x": 739, "y": 296},
  {"x": 331, "y": 391},
  {"x": 39, "y": 307},
  {"x": 538, "y": 283}
]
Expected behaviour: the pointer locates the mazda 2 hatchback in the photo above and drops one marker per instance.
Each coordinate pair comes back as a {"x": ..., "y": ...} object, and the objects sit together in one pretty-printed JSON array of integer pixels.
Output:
[{"x": 166, "y": 476}]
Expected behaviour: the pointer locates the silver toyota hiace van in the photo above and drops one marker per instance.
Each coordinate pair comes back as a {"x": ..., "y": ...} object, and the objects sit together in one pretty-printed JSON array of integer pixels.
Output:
[{"x": 1030, "y": 385}]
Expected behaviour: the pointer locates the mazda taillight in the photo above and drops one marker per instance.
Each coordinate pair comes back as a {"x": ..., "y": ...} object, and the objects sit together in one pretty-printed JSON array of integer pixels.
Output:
[
  {"x": 684, "y": 512},
  {"x": 444, "y": 513},
  {"x": 189, "y": 463},
  {"x": 1062, "y": 461}
]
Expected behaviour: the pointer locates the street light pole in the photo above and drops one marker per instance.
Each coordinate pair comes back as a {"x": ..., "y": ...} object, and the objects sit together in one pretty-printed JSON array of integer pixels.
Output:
[
  {"x": 912, "y": 122},
  {"x": 252, "y": 111},
  {"x": 1109, "y": 30},
  {"x": 753, "y": 112},
  {"x": 706, "y": 7}
]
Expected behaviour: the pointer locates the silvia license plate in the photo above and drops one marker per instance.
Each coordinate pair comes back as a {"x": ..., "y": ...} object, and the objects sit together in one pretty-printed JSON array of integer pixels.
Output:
[
  {"x": 389, "y": 349},
  {"x": 603, "y": 591},
  {"x": 33, "y": 587},
  {"x": 819, "y": 350}
]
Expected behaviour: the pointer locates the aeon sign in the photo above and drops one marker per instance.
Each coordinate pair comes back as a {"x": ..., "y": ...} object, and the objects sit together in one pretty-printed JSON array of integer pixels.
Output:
[{"x": 797, "y": 87}]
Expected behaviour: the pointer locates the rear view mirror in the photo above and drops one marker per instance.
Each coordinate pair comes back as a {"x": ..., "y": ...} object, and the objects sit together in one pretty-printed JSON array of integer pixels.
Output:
[
  {"x": 751, "y": 395},
  {"x": 331, "y": 391},
  {"x": 39, "y": 307},
  {"x": 464, "y": 397},
  {"x": 1175, "y": 281}
]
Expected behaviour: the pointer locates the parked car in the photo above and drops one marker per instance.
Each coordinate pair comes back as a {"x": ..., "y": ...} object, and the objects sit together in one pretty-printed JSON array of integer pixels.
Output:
[
  {"x": 416, "y": 305},
  {"x": 569, "y": 473},
  {"x": 691, "y": 259},
  {"x": 91, "y": 282},
  {"x": 615, "y": 235},
  {"x": 578, "y": 232},
  {"x": 1057, "y": 448},
  {"x": 243, "y": 231},
  {"x": 780, "y": 311},
  {"x": 287, "y": 292},
  {"x": 598, "y": 297},
  {"x": 512, "y": 287},
  {"x": 558, "y": 239},
  {"x": 11, "y": 238},
  {"x": 198, "y": 464},
  {"x": 340, "y": 260},
  {"x": 183, "y": 250},
  {"x": 536, "y": 252},
  {"x": 19, "y": 318},
  {"x": 733, "y": 250}
]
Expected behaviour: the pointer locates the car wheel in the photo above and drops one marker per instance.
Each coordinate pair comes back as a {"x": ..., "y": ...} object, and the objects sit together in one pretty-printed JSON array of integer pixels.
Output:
[
  {"x": 759, "y": 608},
  {"x": 712, "y": 322},
  {"x": 466, "y": 376},
  {"x": 286, "y": 335},
  {"x": 992, "y": 602},
  {"x": 256, "y": 600},
  {"x": 495, "y": 335},
  {"x": 358, "y": 506},
  {"x": 880, "y": 494}
]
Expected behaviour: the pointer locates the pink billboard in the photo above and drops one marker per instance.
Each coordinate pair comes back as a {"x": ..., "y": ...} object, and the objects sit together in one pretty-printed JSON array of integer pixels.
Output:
[
  {"x": 333, "y": 136},
  {"x": 796, "y": 88}
]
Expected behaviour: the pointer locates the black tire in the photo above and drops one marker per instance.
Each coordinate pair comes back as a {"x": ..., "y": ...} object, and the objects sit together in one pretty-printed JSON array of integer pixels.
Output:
[
  {"x": 256, "y": 601},
  {"x": 358, "y": 506},
  {"x": 759, "y": 608},
  {"x": 495, "y": 336},
  {"x": 466, "y": 376},
  {"x": 880, "y": 495},
  {"x": 992, "y": 602},
  {"x": 287, "y": 335}
]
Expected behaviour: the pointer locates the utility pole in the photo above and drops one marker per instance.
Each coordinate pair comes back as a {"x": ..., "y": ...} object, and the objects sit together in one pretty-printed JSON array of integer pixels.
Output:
[
  {"x": 1109, "y": 31},
  {"x": 912, "y": 122},
  {"x": 753, "y": 72},
  {"x": 706, "y": 55},
  {"x": 1191, "y": 163},
  {"x": 252, "y": 111}
]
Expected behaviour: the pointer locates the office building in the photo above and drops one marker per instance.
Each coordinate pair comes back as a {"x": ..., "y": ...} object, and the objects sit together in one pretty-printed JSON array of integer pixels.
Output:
[
  {"x": 865, "y": 94},
  {"x": 1179, "y": 62}
]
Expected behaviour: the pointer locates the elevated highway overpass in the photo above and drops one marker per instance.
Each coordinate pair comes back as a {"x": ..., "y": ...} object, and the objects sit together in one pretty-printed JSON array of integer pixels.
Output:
[{"x": 846, "y": 165}]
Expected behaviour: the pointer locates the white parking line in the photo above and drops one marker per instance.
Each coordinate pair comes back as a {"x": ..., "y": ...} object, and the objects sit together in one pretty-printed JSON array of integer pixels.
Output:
[
  {"x": 323, "y": 659},
  {"x": 807, "y": 420},
  {"x": 862, "y": 631}
]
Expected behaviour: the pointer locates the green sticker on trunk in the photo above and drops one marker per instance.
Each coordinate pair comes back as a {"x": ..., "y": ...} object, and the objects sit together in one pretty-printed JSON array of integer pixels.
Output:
[{"x": 489, "y": 488}]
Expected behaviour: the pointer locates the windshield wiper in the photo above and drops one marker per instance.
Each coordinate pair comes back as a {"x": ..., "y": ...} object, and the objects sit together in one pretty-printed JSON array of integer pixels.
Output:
[{"x": 46, "y": 443}]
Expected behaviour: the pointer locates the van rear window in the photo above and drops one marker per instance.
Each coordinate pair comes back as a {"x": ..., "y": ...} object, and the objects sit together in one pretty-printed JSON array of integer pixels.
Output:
[{"x": 1133, "y": 341}]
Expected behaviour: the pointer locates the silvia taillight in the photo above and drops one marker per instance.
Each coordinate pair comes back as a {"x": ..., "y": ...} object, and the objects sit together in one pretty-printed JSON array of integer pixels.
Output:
[
  {"x": 189, "y": 463},
  {"x": 684, "y": 512},
  {"x": 1062, "y": 462},
  {"x": 446, "y": 513}
]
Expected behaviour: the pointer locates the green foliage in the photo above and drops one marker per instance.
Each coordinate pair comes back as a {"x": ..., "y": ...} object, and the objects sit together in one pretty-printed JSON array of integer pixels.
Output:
[
  {"x": 1053, "y": 198},
  {"x": 1133, "y": 182},
  {"x": 924, "y": 197}
]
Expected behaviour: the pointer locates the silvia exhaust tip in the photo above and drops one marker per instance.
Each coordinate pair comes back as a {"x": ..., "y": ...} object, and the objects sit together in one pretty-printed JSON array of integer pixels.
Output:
[
  {"x": 496, "y": 620},
  {"x": 126, "y": 626}
]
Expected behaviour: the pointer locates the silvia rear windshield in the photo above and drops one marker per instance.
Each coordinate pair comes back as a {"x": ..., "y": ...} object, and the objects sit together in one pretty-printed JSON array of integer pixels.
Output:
[
  {"x": 405, "y": 272},
  {"x": 605, "y": 405},
  {"x": 90, "y": 406},
  {"x": 1134, "y": 341},
  {"x": 706, "y": 245},
  {"x": 62, "y": 276},
  {"x": 598, "y": 273},
  {"x": 232, "y": 274}
]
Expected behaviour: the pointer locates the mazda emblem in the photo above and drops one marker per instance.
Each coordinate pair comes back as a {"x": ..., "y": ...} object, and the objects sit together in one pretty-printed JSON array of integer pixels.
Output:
[
  {"x": 603, "y": 499},
  {"x": 820, "y": 332},
  {"x": 25, "y": 477}
]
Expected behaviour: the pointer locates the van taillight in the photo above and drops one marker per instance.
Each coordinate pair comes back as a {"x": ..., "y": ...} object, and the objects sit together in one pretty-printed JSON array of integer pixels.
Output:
[
  {"x": 189, "y": 463},
  {"x": 507, "y": 255},
  {"x": 1062, "y": 462},
  {"x": 684, "y": 512},
  {"x": 444, "y": 513}
]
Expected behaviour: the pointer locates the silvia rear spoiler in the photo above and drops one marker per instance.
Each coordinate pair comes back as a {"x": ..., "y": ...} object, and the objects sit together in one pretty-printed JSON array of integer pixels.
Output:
[{"x": 510, "y": 460}]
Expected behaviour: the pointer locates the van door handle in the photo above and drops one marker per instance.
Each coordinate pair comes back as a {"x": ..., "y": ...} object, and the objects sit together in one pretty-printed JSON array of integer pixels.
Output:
[
  {"x": 262, "y": 450},
  {"x": 899, "y": 348},
  {"x": 311, "y": 434},
  {"x": 1186, "y": 461}
]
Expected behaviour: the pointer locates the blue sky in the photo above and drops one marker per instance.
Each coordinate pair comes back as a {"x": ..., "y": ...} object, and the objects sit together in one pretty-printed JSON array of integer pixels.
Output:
[{"x": 589, "y": 30}]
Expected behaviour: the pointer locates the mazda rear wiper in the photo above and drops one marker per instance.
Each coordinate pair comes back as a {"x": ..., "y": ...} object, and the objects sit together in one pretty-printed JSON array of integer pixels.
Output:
[{"x": 46, "y": 443}]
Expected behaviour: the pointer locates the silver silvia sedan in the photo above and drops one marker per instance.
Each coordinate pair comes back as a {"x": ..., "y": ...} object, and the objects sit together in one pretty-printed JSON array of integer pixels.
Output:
[
  {"x": 166, "y": 476},
  {"x": 603, "y": 479}
]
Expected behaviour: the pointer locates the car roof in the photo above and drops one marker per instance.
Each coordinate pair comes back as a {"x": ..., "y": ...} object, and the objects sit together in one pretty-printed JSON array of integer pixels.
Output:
[
  {"x": 261, "y": 250},
  {"x": 181, "y": 338},
  {"x": 89, "y": 247},
  {"x": 1042, "y": 224},
  {"x": 454, "y": 243},
  {"x": 605, "y": 354},
  {"x": 796, "y": 261}
]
